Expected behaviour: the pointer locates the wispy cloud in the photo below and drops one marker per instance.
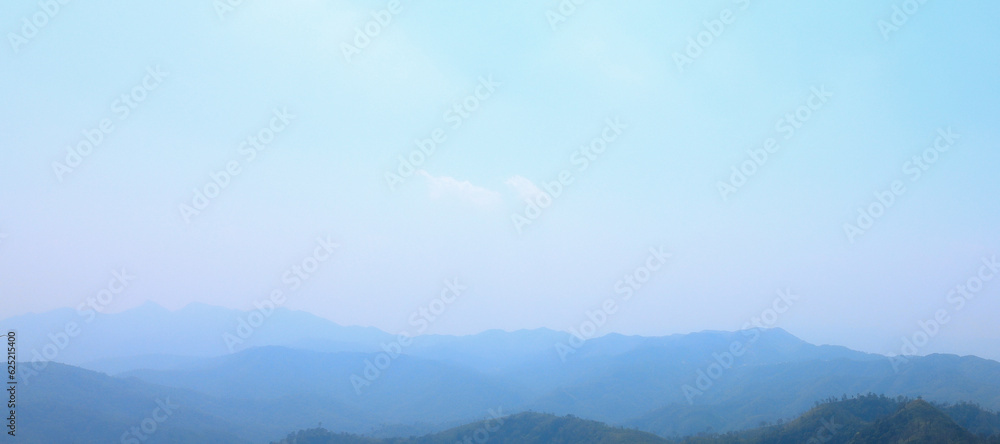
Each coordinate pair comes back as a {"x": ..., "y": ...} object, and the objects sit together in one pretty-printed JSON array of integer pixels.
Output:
[
  {"x": 526, "y": 189},
  {"x": 443, "y": 187}
]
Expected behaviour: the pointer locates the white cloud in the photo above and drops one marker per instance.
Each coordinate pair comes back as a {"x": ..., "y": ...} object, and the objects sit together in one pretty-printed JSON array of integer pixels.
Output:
[
  {"x": 449, "y": 187},
  {"x": 526, "y": 189}
]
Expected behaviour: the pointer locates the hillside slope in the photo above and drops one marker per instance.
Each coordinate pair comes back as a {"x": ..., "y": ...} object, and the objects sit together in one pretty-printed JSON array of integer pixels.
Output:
[{"x": 522, "y": 428}]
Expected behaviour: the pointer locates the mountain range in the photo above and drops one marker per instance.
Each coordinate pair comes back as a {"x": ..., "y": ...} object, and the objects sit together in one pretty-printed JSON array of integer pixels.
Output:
[
  {"x": 859, "y": 420},
  {"x": 295, "y": 370}
]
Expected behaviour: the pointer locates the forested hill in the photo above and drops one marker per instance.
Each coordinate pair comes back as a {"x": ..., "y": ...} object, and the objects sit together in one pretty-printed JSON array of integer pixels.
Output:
[
  {"x": 522, "y": 428},
  {"x": 874, "y": 419},
  {"x": 868, "y": 419}
]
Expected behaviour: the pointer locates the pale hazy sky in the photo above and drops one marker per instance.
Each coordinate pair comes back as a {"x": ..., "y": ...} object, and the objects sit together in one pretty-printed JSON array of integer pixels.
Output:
[{"x": 544, "y": 91}]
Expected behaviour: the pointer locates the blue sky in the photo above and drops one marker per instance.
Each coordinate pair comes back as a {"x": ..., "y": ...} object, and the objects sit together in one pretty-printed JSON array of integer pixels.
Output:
[{"x": 655, "y": 185}]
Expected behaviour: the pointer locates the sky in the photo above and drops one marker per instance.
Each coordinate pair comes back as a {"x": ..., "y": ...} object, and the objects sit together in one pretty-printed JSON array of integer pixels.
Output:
[{"x": 117, "y": 116}]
